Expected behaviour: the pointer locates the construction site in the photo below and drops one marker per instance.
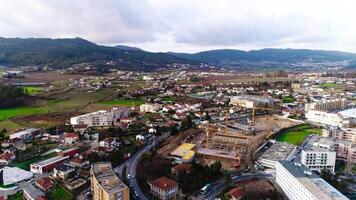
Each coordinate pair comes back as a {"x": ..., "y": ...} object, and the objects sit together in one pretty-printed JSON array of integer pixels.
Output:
[{"x": 231, "y": 142}]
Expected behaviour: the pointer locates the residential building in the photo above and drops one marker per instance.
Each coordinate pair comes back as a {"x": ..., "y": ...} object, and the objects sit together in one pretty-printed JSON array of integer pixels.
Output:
[
  {"x": 348, "y": 134},
  {"x": 105, "y": 185},
  {"x": 164, "y": 188},
  {"x": 7, "y": 157},
  {"x": 63, "y": 171},
  {"x": 26, "y": 135},
  {"x": 101, "y": 117},
  {"x": 326, "y": 105},
  {"x": 70, "y": 138},
  {"x": 325, "y": 118},
  {"x": 318, "y": 158},
  {"x": 109, "y": 143},
  {"x": 150, "y": 107},
  {"x": 299, "y": 183},
  {"x": 44, "y": 183}
]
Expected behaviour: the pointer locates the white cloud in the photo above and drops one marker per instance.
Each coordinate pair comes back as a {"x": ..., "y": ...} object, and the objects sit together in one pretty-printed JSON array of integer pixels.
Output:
[{"x": 185, "y": 25}]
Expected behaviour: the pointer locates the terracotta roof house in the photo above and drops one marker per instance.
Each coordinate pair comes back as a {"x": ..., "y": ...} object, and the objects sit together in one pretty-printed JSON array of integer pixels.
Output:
[
  {"x": 235, "y": 194},
  {"x": 164, "y": 188},
  {"x": 44, "y": 184}
]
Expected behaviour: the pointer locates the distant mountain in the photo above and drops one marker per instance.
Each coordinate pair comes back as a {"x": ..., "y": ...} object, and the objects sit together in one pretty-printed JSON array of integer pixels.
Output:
[
  {"x": 62, "y": 53},
  {"x": 270, "y": 57},
  {"x": 124, "y": 47}
]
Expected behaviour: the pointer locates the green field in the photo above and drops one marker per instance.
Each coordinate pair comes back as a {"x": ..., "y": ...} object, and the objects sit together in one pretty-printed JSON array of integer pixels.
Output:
[
  {"x": 123, "y": 102},
  {"x": 17, "y": 196},
  {"x": 296, "y": 135},
  {"x": 9, "y": 125},
  {"x": 26, "y": 164},
  {"x": 168, "y": 98},
  {"x": 30, "y": 90},
  {"x": 21, "y": 111},
  {"x": 329, "y": 85},
  {"x": 288, "y": 99},
  {"x": 59, "y": 193}
]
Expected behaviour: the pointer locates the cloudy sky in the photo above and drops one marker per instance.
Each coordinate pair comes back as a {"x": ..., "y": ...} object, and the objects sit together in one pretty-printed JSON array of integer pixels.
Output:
[{"x": 187, "y": 25}]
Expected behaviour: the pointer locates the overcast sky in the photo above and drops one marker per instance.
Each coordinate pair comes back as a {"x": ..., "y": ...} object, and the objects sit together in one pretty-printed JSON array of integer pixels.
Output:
[{"x": 187, "y": 25}]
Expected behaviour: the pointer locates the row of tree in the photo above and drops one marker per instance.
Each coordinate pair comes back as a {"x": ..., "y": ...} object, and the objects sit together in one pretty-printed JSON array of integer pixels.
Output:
[{"x": 11, "y": 96}]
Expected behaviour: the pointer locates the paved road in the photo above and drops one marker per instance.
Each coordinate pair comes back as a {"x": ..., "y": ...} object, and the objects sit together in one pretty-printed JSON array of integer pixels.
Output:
[
  {"x": 131, "y": 165},
  {"x": 218, "y": 186}
]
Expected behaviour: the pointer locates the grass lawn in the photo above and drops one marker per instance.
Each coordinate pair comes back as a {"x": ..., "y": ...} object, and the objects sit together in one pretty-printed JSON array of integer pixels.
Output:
[
  {"x": 123, "y": 102},
  {"x": 288, "y": 99},
  {"x": 168, "y": 98},
  {"x": 17, "y": 196},
  {"x": 59, "y": 193},
  {"x": 9, "y": 125},
  {"x": 30, "y": 90},
  {"x": 328, "y": 85},
  {"x": 296, "y": 135},
  {"x": 25, "y": 165},
  {"x": 21, "y": 111}
]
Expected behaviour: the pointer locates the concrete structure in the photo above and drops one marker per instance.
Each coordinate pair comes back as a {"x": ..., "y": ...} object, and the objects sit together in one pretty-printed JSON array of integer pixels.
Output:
[
  {"x": 326, "y": 105},
  {"x": 63, "y": 171},
  {"x": 13, "y": 175},
  {"x": 12, "y": 74},
  {"x": 228, "y": 159},
  {"x": 105, "y": 185},
  {"x": 318, "y": 158},
  {"x": 149, "y": 107},
  {"x": 326, "y": 118},
  {"x": 249, "y": 101},
  {"x": 48, "y": 165},
  {"x": 348, "y": 134},
  {"x": 164, "y": 188},
  {"x": 101, "y": 117},
  {"x": 26, "y": 135},
  {"x": 277, "y": 151},
  {"x": 299, "y": 183},
  {"x": 32, "y": 193},
  {"x": 184, "y": 153}
]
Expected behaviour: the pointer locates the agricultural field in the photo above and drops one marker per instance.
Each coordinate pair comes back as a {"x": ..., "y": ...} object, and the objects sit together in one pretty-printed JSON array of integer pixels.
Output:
[
  {"x": 32, "y": 91},
  {"x": 297, "y": 134},
  {"x": 123, "y": 102},
  {"x": 59, "y": 193},
  {"x": 21, "y": 111}
]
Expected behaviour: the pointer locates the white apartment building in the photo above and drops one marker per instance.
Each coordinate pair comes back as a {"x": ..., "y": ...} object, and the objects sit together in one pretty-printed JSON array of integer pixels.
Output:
[
  {"x": 318, "y": 158},
  {"x": 326, "y": 105},
  {"x": 150, "y": 107},
  {"x": 101, "y": 117},
  {"x": 348, "y": 134},
  {"x": 299, "y": 183},
  {"x": 326, "y": 118}
]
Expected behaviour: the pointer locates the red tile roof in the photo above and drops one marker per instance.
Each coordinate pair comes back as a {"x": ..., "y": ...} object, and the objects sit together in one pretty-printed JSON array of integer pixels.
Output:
[
  {"x": 236, "y": 192},
  {"x": 71, "y": 135},
  {"x": 164, "y": 183},
  {"x": 45, "y": 183},
  {"x": 6, "y": 156}
]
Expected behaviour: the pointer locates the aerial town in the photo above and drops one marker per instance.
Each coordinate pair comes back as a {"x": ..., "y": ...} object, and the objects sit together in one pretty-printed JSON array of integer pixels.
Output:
[
  {"x": 180, "y": 135},
  {"x": 177, "y": 100}
]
